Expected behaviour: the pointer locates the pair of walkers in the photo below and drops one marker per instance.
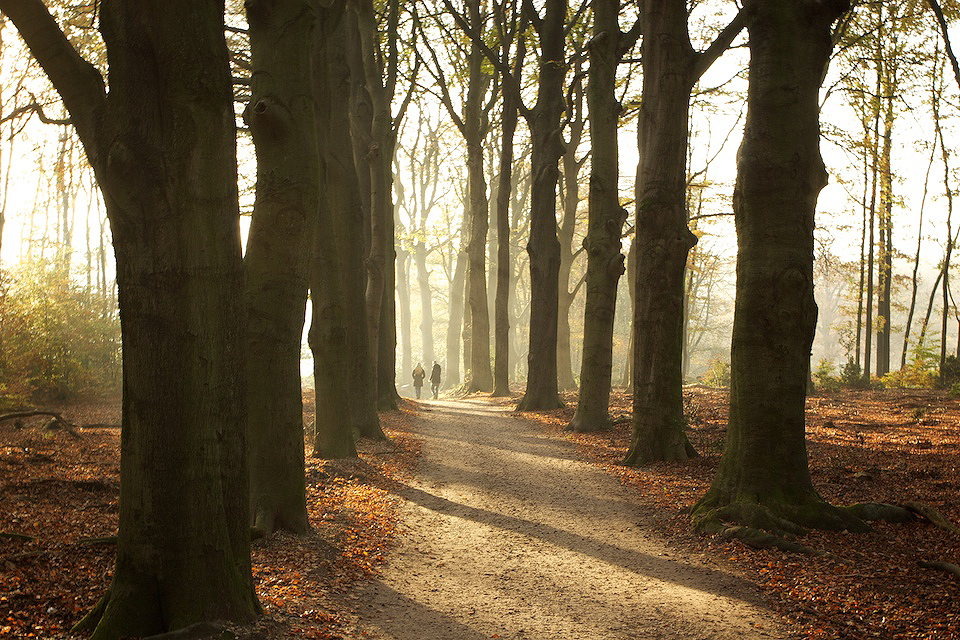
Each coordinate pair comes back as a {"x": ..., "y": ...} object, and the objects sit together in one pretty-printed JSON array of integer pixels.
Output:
[{"x": 419, "y": 374}]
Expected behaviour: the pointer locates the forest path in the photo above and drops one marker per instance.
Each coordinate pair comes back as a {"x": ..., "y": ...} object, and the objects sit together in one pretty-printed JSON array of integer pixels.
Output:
[{"x": 505, "y": 534}]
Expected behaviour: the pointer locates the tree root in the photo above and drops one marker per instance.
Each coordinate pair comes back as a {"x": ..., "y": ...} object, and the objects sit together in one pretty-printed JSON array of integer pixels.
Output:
[
  {"x": 943, "y": 566},
  {"x": 759, "y": 539},
  {"x": 931, "y": 515}
]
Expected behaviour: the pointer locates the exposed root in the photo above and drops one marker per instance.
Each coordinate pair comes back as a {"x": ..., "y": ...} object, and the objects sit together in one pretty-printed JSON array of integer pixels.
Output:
[
  {"x": 931, "y": 515},
  {"x": 762, "y": 540},
  {"x": 199, "y": 631},
  {"x": 943, "y": 566},
  {"x": 874, "y": 511}
]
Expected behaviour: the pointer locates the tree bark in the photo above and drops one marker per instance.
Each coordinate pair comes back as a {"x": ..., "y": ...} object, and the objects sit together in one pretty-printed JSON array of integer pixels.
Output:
[
  {"x": 162, "y": 144},
  {"x": 763, "y": 478},
  {"x": 451, "y": 377},
  {"x": 501, "y": 370},
  {"x": 605, "y": 263},
  {"x": 475, "y": 125},
  {"x": 344, "y": 387},
  {"x": 662, "y": 237},
  {"x": 543, "y": 247},
  {"x": 277, "y": 256},
  {"x": 565, "y": 233}
]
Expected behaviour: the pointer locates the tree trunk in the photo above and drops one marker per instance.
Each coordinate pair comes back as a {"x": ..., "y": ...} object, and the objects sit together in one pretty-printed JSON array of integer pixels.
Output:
[
  {"x": 344, "y": 386},
  {"x": 426, "y": 301},
  {"x": 480, "y": 376},
  {"x": 451, "y": 378},
  {"x": 163, "y": 148},
  {"x": 763, "y": 478},
  {"x": 501, "y": 373},
  {"x": 567, "y": 227},
  {"x": 543, "y": 246},
  {"x": 403, "y": 301},
  {"x": 277, "y": 256},
  {"x": 605, "y": 263},
  {"x": 662, "y": 239}
]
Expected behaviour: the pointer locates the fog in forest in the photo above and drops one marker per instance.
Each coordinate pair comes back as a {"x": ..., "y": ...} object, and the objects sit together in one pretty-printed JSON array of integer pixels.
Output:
[{"x": 56, "y": 242}]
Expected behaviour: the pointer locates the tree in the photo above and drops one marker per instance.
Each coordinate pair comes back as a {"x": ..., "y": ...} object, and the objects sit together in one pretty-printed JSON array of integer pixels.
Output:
[
  {"x": 344, "y": 382},
  {"x": 605, "y": 263},
  {"x": 162, "y": 143},
  {"x": 277, "y": 256},
  {"x": 763, "y": 480},
  {"x": 512, "y": 25},
  {"x": 374, "y": 126},
  {"x": 473, "y": 124},
  {"x": 671, "y": 67}
]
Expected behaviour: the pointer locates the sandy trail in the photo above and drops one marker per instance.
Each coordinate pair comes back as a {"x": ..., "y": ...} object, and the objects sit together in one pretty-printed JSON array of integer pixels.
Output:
[{"x": 506, "y": 534}]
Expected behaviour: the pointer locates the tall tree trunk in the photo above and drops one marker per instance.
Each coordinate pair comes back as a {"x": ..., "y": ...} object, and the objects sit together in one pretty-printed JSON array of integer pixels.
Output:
[
  {"x": 345, "y": 399},
  {"x": 451, "y": 378},
  {"x": 885, "y": 254},
  {"x": 426, "y": 301},
  {"x": 501, "y": 373},
  {"x": 403, "y": 300},
  {"x": 763, "y": 479},
  {"x": 605, "y": 223},
  {"x": 163, "y": 148},
  {"x": 567, "y": 228},
  {"x": 662, "y": 239},
  {"x": 475, "y": 125},
  {"x": 277, "y": 256},
  {"x": 543, "y": 247}
]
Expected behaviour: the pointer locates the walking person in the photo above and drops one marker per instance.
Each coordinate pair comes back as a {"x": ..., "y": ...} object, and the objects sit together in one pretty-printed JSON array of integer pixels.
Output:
[
  {"x": 418, "y": 375},
  {"x": 435, "y": 379}
]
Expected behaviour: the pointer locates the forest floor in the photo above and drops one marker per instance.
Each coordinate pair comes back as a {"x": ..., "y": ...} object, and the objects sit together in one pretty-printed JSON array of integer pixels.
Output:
[{"x": 58, "y": 509}]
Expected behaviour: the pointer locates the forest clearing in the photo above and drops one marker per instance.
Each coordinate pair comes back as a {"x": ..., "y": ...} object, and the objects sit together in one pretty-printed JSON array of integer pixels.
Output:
[{"x": 893, "y": 446}]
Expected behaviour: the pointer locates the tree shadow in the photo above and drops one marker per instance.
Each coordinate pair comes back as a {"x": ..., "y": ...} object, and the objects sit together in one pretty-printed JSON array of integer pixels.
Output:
[{"x": 663, "y": 569}]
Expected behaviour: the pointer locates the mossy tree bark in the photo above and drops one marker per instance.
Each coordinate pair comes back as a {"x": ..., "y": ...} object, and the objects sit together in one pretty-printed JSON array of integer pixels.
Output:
[
  {"x": 277, "y": 255},
  {"x": 763, "y": 479},
  {"x": 605, "y": 220},
  {"x": 671, "y": 67},
  {"x": 163, "y": 145}
]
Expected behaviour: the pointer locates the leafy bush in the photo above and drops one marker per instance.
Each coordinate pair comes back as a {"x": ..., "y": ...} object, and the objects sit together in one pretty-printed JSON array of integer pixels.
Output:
[
  {"x": 950, "y": 373},
  {"x": 851, "y": 376},
  {"x": 919, "y": 373},
  {"x": 57, "y": 340},
  {"x": 823, "y": 377},
  {"x": 717, "y": 374}
]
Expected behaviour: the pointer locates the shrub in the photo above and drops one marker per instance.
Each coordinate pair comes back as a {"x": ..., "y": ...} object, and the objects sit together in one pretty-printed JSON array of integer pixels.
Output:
[
  {"x": 851, "y": 376},
  {"x": 57, "y": 340},
  {"x": 823, "y": 377},
  {"x": 950, "y": 373},
  {"x": 919, "y": 373},
  {"x": 717, "y": 374}
]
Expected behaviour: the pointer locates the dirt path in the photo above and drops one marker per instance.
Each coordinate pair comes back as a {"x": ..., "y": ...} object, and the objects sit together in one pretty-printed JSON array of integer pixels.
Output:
[{"x": 507, "y": 535}]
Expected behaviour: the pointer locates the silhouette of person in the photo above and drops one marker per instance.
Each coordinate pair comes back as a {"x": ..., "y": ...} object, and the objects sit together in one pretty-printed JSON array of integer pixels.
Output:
[
  {"x": 418, "y": 375},
  {"x": 435, "y": 379}
]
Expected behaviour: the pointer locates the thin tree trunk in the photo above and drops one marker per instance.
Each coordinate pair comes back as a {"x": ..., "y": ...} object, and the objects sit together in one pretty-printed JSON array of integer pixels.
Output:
[{"x": 501, "y": 373}]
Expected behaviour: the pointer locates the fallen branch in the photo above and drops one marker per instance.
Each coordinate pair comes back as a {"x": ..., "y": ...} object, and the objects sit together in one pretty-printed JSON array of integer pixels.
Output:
[
  {"x": 943, "y": 566},
  {"x": 58, "y": 419},
  {"x": 10, "y": 535}
]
